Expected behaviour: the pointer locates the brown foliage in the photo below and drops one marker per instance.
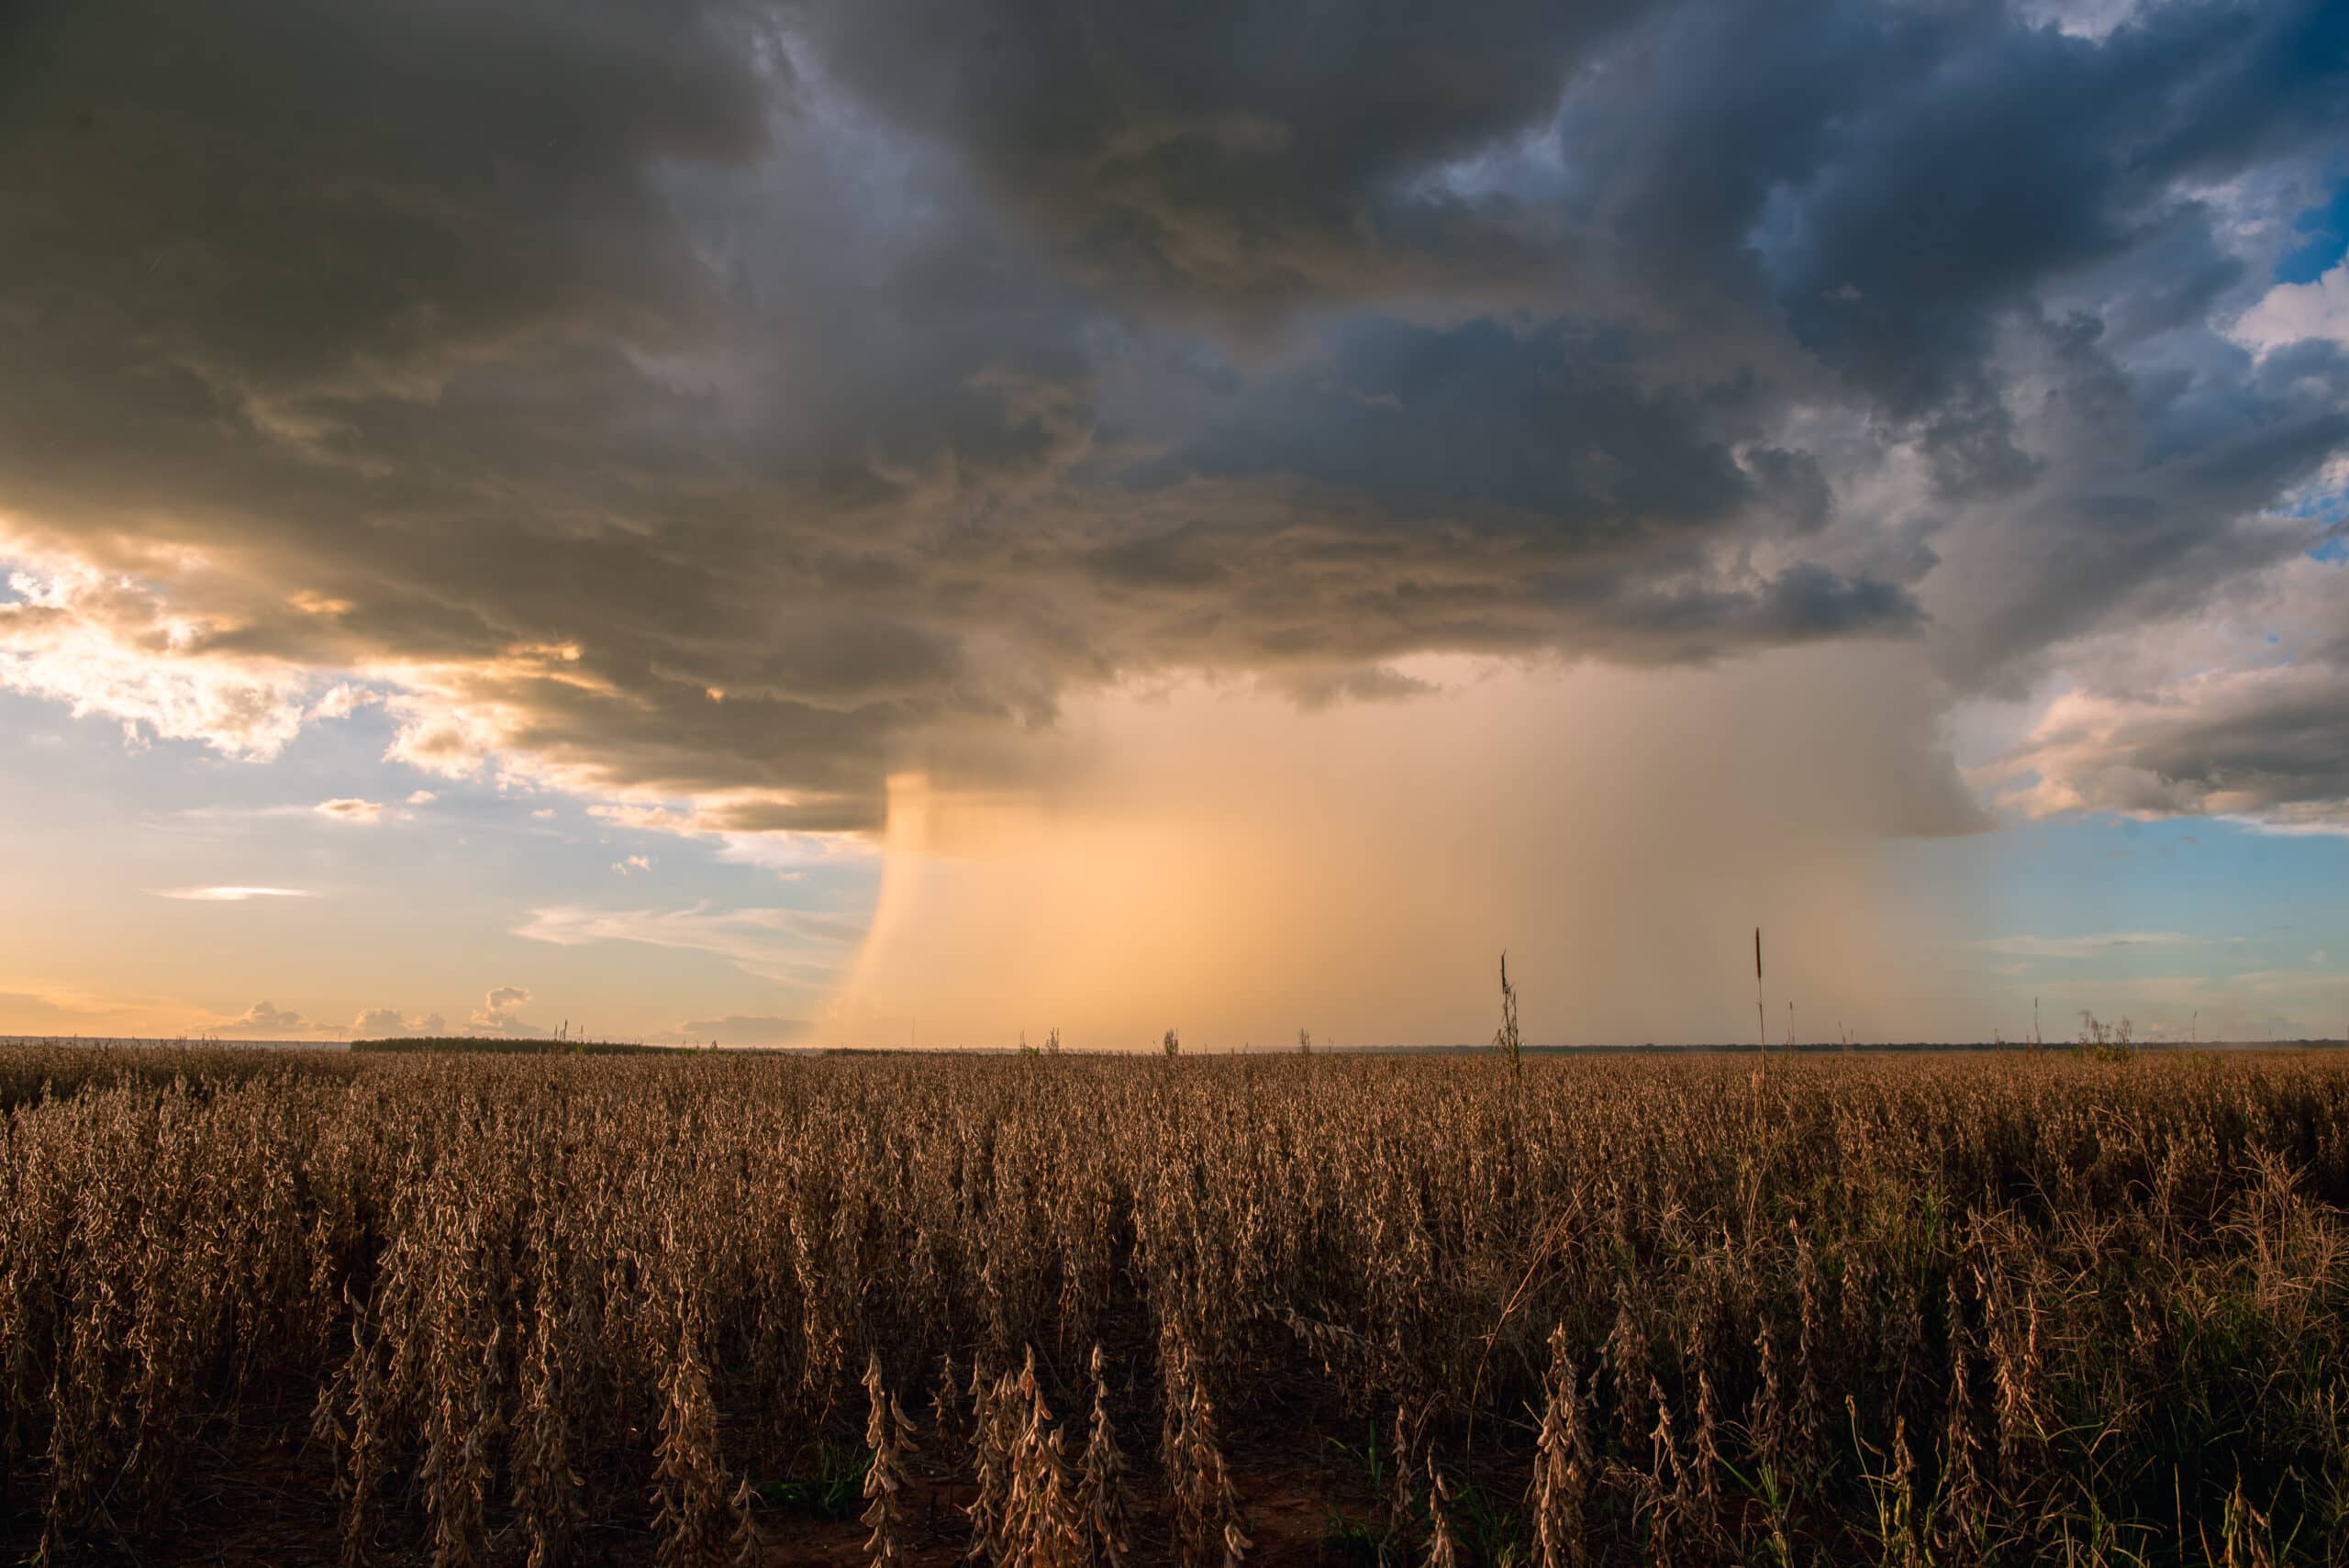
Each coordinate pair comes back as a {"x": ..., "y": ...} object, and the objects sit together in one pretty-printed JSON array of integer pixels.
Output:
[{"x": 1965, "y": 1309}]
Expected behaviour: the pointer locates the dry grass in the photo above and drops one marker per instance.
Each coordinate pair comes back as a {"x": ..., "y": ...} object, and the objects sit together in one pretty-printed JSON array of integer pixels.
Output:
[{"x": 1948, "y": 1311}]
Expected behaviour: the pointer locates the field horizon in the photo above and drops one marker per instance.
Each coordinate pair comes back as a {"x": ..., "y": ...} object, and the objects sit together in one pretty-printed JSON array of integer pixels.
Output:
[{"x": 506, "y": 1045}]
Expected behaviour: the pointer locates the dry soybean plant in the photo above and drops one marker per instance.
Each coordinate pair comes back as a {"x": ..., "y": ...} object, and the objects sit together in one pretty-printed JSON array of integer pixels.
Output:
[{"x": 560, "y": 1310}]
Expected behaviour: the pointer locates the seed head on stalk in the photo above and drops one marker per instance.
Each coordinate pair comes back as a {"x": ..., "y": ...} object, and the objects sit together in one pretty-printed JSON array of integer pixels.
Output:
[{"x": 890, "y": 1435}]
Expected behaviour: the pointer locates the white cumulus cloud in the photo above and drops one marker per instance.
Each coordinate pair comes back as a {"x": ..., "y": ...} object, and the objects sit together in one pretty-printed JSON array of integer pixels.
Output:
[
  {"x": 501, "y": 1012},
  {"x": 2292, "y": 313},
  {"x": 106, "y": 645},
  {"x": 383, "y": 1023},
  {"x": 264, "y": 1019}
]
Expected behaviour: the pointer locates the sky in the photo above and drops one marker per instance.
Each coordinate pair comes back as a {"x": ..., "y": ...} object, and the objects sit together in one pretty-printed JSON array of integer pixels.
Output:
[{"x": 890, "y": 522}]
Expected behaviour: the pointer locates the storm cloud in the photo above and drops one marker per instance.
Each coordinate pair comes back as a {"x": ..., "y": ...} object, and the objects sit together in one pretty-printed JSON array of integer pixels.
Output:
[{"x": 731, "y": 404}]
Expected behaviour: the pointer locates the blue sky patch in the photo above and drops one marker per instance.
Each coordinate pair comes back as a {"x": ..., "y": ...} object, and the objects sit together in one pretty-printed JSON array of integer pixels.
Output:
[{"x": 2327, "y": 228}]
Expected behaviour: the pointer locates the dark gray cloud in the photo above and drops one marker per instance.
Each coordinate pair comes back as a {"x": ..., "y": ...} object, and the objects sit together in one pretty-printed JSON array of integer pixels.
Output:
[
  {"x": 742, "y": 401},
  {"x": 1481, "y": 420},
  {"x": 274, "y": 198},
  {"x": 1227, "y": 157},
  {"x": 2145, "y": 495}
]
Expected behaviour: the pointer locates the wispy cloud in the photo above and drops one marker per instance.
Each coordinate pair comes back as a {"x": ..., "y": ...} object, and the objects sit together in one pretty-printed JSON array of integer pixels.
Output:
[
  {"x": 230, "y": 894},
  {"x": 747, "y": 826},
  {"x": 793, "y": 945},
  {"x": 2098, "y": 945},
  {"x": 350, "y": 808},
  {"x": 62, "y": 1011}
]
